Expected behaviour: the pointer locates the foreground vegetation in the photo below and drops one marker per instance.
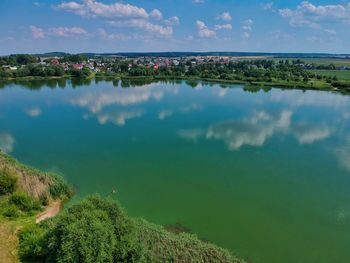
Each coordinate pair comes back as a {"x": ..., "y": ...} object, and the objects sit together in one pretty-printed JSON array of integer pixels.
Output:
[
  {"x": 99, "y": 230},
  {"x": 93, "y": 230},
  {"x": 24, "y": 192}
]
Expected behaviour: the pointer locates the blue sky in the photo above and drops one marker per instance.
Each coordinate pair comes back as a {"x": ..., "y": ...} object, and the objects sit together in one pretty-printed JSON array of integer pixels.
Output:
[{"x": 174, "y": 25}]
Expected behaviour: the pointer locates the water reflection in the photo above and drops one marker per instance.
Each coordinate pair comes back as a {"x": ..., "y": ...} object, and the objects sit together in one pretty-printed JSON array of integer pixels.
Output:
[
  {"x": 257, "y": 129},
  {"x": 162, "y": 115},
  {"x": 118, "y": 118},
  {"x": 181, "y": 148},
  {"x": 33, "y": 112},
  {"x": 343, "y": 154},
  {"x": 7, "y": 142}
]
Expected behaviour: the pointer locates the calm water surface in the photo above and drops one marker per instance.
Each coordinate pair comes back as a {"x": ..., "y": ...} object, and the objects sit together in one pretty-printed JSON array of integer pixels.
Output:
[{"x": 264, "y": 173}]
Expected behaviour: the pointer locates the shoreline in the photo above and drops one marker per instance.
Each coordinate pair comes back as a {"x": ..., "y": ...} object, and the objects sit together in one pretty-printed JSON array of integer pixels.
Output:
[{"x": 283, "y": 85}]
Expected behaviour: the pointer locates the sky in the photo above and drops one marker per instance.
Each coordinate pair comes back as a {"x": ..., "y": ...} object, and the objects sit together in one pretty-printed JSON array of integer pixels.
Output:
[{"x": 37, "y": 26}]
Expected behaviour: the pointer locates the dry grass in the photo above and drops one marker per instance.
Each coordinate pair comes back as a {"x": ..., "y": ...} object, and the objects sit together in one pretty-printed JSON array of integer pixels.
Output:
[{"x": 8, "y": 243}]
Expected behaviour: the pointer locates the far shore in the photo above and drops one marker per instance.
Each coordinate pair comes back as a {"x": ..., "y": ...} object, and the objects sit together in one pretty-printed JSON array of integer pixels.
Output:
[{"x": 290, "y": 85}]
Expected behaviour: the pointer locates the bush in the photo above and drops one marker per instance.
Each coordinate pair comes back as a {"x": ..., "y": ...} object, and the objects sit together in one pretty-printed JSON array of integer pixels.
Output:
[
  {"x": 31, "y": 242},
  {"x": 59, "y": 188},
  {"x": 7, "y": 182},
  {"x": 11, "y": 211},
  {"x": 94, "y": 230},
  {"x": 23, "y": 201}
]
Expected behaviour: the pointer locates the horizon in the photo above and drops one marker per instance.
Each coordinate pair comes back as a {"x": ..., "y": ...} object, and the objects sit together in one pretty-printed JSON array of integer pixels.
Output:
[
  {"x": 137, "y": 26},
  {"x": 197, "y": 53}
]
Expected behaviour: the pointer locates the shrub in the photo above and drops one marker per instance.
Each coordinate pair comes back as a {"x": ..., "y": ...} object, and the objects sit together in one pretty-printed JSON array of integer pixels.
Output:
[
  {"x": 23, "y": 201},
  {"x": 94, "y": 230},
  {"x": 59, "y": 188},
  {"x": 31, "y": 242},
  {"x": 11, "y": 211},
  {"x": 7, "y": 182}
]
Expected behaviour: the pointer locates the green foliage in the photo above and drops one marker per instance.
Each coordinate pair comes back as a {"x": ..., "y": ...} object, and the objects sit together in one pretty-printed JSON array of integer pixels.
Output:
[
  {"x": 31, "y": 241},
  {"x": 24, "y": 202},
  {"x": 83, "y": 73},
  {"x": 74, "y": 58},
  {"x": 161, "y": 246},
  {"x": 58, "y": 187},
  {"x": 85, "y": 236},
  {"x": 98, "y": 230},
  {"x": 106, "y": 233},
  {"x": 11, "y": 211},
  {"x": 94, "y": 230},
  {"x": 7, "y": 182}
]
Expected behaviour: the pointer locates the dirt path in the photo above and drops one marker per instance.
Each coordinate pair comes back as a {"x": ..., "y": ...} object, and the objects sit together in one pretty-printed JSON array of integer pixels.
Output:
[{"x": 50, "y": 211}]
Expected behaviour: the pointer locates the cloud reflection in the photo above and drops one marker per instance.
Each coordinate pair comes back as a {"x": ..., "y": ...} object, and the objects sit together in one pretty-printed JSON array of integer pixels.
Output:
[
  {"x": 253, "y": 131},
  {"x": 118, "y": 118},
  {"x": 97, "y": 100},
  {"x": 162, "y": 115},
  {"x": 308, "y": 134},
  {"x": 191, "y": 135},
  {"x": 343, "y": 154},
  {"x": 7, "y": 142},
  {"x": 115, "y": 105},
  {"x": 257, "y": 129},
  {"x": 33, "y": 112}
]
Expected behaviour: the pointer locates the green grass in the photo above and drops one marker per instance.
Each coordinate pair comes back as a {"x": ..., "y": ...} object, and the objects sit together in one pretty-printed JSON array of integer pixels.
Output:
[
  {"x": 20, "y": 205},
  {"x": 320, "y": 61},
  {"x": 340, "y": 74}
]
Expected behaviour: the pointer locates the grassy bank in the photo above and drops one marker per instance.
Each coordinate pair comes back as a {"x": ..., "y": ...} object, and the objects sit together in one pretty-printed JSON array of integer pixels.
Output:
[{"x": 24, "y": 193}]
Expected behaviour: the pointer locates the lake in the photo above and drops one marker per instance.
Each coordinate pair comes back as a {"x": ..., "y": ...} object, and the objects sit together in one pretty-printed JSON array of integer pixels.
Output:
[{"x": 264, "y": 173}]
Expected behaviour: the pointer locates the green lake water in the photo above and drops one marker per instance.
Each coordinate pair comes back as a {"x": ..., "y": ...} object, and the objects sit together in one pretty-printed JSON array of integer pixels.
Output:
[{"x": 263, "y": 173}]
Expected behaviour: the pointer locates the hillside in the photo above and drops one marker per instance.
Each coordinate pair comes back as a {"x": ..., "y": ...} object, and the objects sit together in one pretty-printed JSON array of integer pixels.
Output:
[{"x": 24, "y": 193}]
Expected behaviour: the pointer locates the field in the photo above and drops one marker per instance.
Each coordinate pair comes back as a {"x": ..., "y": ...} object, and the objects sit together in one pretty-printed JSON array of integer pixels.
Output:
[{"x": 341, "y": 74}]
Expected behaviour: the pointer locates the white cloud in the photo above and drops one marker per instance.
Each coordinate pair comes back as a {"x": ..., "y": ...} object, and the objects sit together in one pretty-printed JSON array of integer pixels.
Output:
[
  {"x": 245, "y": 35},
  {"x": 223, "y": 27},
  {"x": 226, "y": 16},
  {"x": 247, "y": 24},
  {"x": 204, "y": 31},
  {"x": 33, "y": 112},
  {"x": 156, "y": 14},
  {"x": 159, "y": 30},
  {"x": 330, "y": 31},
  {"x": 310, "y": 15},
  {"x": 93, "y": 8},
  {"x": 121, "y": 37},
  {"x": 66, "y": 31},
  {"x": 198, "y": 1},
  {"x": 7, "y": 142},
  {"x": 37, "y": 32},
  {"x": 268, "y": 6},
  {"x": 172, "y": 21}
]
